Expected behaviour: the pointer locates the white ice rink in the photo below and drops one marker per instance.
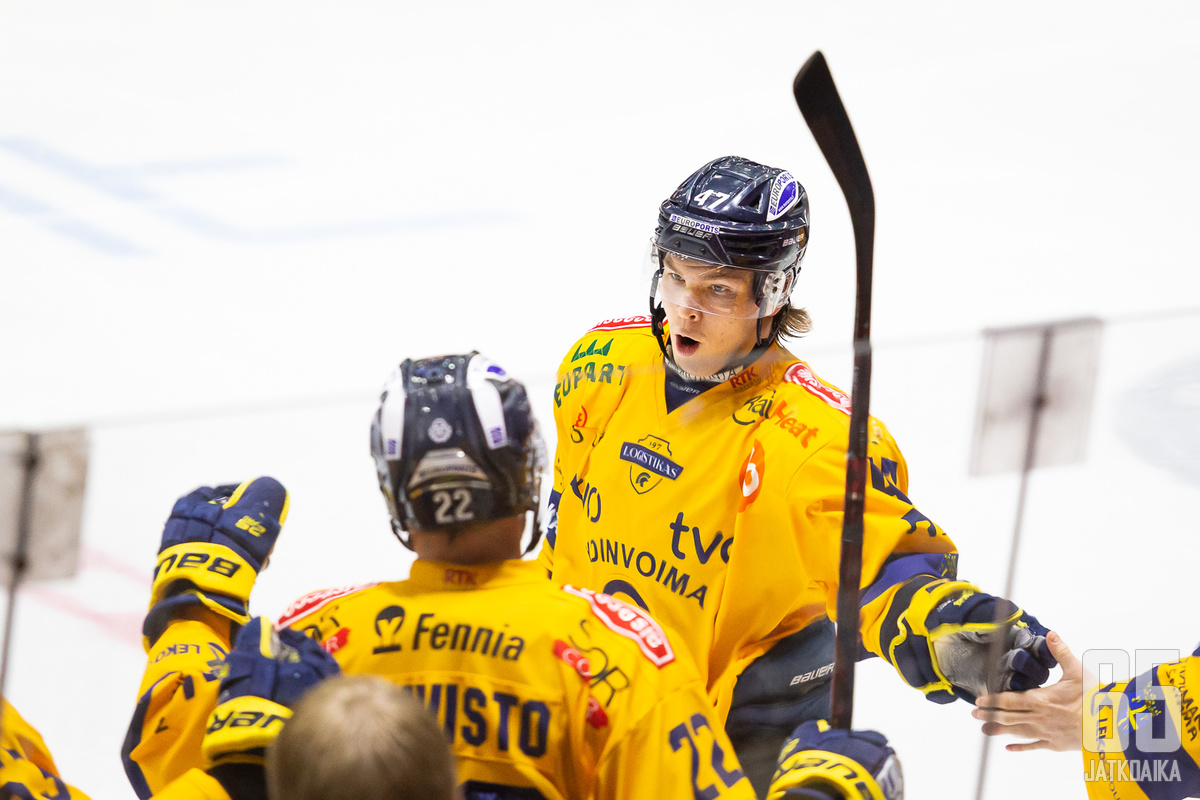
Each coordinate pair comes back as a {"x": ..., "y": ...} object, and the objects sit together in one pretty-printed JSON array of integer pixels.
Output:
[{"x": 222, "y": 223}]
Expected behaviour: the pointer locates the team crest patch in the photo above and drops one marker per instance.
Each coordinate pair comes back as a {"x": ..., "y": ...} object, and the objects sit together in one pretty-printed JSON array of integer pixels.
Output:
[
  {"x": 650, "y": 460},
  {"x": 785, "y": 192}
]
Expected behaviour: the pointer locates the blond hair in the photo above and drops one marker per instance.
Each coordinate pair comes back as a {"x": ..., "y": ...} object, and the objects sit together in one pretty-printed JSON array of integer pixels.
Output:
[
  {"x": 790, "y": 322},
  {"x": 360, "y": 737}
]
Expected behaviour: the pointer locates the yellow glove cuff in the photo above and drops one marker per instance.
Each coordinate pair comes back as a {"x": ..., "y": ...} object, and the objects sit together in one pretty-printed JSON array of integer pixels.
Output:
[
  {"x": 240, "y": 729},
  {"x": 210, "y": 567},
  {"x": 830, "y": 772}
]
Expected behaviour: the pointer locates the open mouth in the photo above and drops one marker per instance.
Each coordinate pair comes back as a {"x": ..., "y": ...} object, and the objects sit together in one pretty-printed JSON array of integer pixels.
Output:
[{"x": 685, "y": 345}]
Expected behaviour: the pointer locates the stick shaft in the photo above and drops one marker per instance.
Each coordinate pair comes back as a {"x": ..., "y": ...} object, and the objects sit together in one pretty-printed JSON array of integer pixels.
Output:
[{"x": 822, "y": 108}]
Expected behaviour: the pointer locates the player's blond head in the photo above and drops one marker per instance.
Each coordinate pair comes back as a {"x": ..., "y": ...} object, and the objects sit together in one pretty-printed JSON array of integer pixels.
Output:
[{"x": 360, "y": 737}]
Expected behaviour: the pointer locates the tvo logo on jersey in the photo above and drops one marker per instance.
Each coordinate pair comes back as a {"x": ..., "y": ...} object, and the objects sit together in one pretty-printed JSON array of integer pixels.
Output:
[{"x": 651, "y": 460}]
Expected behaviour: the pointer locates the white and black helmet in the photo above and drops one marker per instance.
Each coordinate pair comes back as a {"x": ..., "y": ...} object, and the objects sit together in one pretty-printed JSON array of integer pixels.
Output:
[{"x": 455, "y": 443}]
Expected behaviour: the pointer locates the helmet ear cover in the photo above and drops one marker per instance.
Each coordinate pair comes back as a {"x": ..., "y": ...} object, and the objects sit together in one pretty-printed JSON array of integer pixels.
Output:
[{"x": 455, "y": 443}]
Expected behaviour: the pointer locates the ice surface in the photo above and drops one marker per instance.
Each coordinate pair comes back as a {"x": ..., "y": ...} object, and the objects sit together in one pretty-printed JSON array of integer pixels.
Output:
[{"x": 222, "y": 224}]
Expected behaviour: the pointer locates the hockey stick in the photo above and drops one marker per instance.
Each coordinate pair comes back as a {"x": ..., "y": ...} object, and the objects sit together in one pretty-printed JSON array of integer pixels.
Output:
[{"x": 822, "y": 109}]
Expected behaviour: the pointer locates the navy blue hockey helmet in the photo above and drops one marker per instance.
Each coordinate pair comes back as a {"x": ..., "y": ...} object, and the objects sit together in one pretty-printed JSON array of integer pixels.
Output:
[
  {"x": 455, "y": 443},
  {"x": 734, "y": 213}
]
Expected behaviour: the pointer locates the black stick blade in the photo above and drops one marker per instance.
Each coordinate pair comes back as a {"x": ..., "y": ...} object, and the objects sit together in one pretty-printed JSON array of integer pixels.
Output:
[{"x": 822, "y": 108}]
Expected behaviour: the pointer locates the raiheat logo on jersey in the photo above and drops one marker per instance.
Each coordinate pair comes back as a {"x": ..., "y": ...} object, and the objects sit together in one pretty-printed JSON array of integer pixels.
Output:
[
  {"x": 629, "y": 621},
  {"x": 799, "y": 373}
]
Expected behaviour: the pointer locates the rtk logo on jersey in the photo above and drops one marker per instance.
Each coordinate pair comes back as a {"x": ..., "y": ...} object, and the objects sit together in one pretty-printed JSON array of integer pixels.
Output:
[{"x": 651, "y": 462}]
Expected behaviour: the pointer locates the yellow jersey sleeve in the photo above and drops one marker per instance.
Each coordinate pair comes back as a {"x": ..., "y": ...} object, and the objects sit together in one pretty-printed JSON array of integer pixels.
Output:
[
  {"x": 178, "y": 692},
  {"x": 26, "y": 767},
  {"x": 899, "y": 542},
  {"x": 1141, "y": 738}
]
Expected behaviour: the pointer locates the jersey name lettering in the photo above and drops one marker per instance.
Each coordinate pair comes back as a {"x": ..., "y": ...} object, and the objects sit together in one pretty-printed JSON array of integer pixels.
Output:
[{"x": 485, "y": 717}]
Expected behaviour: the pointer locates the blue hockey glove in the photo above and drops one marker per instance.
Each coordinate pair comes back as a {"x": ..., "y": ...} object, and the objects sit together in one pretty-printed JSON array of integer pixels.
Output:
[
  {"x": 943, "y": 643},
  {"x": 263, "y": 677},
  {"x": 213, "y": 546},
  {"x": 821, "y": 763}
]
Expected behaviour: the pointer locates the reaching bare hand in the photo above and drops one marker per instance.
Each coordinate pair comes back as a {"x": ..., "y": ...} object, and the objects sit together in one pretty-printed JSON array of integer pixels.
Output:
[{"x": 1050, "y": 716}]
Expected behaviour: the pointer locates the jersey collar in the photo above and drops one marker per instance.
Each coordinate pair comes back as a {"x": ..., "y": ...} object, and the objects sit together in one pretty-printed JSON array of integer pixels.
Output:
[{"x": 442, "y": 576}]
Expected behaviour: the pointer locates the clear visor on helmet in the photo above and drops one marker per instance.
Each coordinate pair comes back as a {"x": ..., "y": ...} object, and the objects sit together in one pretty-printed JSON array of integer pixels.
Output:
[{"x": 718, "y": 289}]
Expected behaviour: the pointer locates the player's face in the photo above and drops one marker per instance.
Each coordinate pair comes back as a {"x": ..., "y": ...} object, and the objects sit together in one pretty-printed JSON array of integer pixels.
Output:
[{"x": 711, "y": 312}]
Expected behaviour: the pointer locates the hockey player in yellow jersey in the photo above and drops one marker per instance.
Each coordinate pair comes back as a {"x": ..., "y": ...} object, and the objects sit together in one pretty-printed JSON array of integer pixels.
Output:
[
  {"x": 700, "y": 474},
  {"x": 543, "y": 690}
]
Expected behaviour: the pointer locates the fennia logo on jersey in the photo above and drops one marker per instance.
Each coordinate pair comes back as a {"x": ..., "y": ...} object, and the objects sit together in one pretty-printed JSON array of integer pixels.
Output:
[{"x": 651, "y": 460}]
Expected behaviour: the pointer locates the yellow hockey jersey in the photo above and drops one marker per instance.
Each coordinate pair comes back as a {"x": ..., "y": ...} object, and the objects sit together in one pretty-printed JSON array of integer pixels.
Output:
[
  {"x": 1141, "y": 738},
  {"x": 539, "y": 687},
  {"x": 195, "y": 784},
  {"x": 723, "y": 516},
  {"x": 26, "y": 767}
]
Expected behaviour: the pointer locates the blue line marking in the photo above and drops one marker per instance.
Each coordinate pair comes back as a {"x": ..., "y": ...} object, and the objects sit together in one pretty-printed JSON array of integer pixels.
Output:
[{"x": 126, "y": 183}]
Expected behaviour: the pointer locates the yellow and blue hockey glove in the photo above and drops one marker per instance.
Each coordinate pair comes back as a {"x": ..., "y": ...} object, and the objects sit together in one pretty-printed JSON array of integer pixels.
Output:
[
  {"x": 263, "y": 677},
  {"x": 942, "y": 643},
  {"x": 821, "y": 763},
  {"x": 213, "y": 546}
]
